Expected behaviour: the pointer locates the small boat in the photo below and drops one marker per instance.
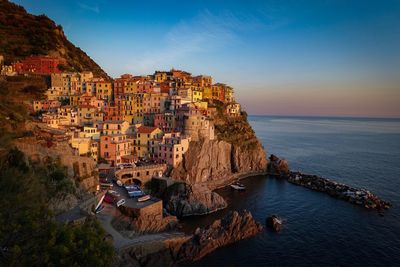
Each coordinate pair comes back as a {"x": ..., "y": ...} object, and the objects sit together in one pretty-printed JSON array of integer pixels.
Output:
[
  {"x": 120, "y": 202},
  {"x": 144, "y": 198},
  {"x": 99, "y": 209},
  {"x": 238, "y": 186}
]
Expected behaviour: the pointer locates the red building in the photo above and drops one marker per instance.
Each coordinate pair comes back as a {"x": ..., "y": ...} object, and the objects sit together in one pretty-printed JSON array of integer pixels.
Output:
[{"x": 39, "y": 65}]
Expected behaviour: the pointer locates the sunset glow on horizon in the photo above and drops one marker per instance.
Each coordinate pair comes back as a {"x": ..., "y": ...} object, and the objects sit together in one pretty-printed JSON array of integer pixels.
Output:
[{"x": 306, "y": 58}]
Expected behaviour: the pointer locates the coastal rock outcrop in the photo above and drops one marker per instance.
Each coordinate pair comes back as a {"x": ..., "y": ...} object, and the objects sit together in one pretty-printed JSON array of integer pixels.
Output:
[
  {"x": 277, "y": 166},
  {"x": 217, "y": 163},
  {"x": 233, "y": 227},
  {"x": 182, "y": 199}
]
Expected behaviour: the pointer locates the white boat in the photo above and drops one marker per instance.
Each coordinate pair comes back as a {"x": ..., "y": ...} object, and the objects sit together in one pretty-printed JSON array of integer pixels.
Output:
[
  {"x": 144, "y": 198},
  {"x": 238, "y": 186}
]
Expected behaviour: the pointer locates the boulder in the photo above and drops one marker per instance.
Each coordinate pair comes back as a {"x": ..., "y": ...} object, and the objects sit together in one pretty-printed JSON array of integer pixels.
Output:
[
  {"x": 274, "y": 223},
  {"x": 182, "y": 200}
]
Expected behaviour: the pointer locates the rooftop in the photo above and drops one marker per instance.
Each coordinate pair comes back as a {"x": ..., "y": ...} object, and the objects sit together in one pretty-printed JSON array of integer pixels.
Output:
[{"x": 146, "y": 129}]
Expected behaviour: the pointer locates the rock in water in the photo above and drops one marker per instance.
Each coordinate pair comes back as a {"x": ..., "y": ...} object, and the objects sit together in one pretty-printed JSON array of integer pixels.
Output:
[
  {"x": 182, "y": 200},
  {"x": 233, "y": 227},
  {"x": 278, "y": 166},
  {"x": 274, "y": 223}
]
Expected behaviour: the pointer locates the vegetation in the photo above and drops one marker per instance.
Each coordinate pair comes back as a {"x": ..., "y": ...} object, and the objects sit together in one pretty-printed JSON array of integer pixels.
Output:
[
  {"x": 23, "y": 34},
  {"x": 225, "y": 126},
  {"x": 28, "y": 233},
  {"x": 15, "y": 95}
]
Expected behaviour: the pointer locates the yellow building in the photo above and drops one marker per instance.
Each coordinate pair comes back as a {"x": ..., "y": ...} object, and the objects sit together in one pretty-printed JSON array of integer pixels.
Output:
[
  {"x": 197, "y": 96},
  {"x": 160, "y": 76},
  {"x": 138, "y": 108},
  {"x": 142, "y": 142},
  {"x": 88, "y": 115},
  {"x": 115, "y": 127},
  {"x": 103, "y": 90},
  {"x": 74, "y": 100},
  {"x": 131, "y": 87},
  {"x": 207, "y": 92},
  {"x": 86, "y": 146}
]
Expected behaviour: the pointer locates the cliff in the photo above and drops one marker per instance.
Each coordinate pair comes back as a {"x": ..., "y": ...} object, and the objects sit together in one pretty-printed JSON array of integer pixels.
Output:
[
  {"x": 216, "y": 162},
  {"x": 210, "y": 164},
  {"x": 23, "y": 34},
  {"x": 235, "y": 152}
]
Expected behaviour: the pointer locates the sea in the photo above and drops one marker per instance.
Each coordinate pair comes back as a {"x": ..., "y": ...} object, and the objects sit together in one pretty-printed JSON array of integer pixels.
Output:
[{"x": 319, "y": 230}]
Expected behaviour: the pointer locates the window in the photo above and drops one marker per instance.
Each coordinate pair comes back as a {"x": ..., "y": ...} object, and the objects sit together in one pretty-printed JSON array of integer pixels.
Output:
[{"x": 138, "y": 174}]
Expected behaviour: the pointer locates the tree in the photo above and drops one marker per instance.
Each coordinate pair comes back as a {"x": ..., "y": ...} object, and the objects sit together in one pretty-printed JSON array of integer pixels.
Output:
[{"x": 29, "y": 234}]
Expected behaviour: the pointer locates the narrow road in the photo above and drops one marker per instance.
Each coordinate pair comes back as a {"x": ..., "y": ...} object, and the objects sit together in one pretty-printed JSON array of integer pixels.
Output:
[{"x": 120, "y": 241}]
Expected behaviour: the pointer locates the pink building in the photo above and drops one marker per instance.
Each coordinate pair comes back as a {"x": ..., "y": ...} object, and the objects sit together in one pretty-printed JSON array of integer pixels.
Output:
[
  {"x": 114, "y": 148},
  {"x": 171, "y": 148}
]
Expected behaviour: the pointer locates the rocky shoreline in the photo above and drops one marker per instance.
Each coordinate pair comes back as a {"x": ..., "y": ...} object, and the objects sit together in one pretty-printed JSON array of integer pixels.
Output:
[
  {"x": 235, "y": 226},
  {"x": 357, "y": 196}
]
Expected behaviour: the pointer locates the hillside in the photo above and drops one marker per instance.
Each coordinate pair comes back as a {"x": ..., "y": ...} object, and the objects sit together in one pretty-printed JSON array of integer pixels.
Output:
[{"x": 23, "y": 34}]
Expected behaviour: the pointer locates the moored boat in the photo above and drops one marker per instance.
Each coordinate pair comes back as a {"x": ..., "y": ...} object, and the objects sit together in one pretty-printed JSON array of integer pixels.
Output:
[
  {"x": 238, "y": 186},
  {"x": 144, "y": 198}
]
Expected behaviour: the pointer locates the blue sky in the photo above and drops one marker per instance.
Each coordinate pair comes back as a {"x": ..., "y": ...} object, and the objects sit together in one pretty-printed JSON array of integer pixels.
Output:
[{"x": 283, "y": 57}]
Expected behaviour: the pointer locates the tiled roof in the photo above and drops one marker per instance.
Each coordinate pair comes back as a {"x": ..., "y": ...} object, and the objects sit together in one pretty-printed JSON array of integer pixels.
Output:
[{"x": 146, "y": 129}]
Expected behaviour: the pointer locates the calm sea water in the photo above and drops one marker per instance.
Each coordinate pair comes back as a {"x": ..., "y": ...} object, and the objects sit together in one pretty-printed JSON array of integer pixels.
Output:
[{"x": 320, "y": 230}]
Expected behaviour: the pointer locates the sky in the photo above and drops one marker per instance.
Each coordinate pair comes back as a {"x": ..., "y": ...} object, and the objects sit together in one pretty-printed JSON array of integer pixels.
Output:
[{"x": 313, "y": 58}]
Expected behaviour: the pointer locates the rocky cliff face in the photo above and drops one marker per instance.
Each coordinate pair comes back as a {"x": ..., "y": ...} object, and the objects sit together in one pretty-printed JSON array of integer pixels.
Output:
[
  {"x": 183, "y": 199},
  {"x": 216, "y": 162},
  {"x": 234, "y": 154}
]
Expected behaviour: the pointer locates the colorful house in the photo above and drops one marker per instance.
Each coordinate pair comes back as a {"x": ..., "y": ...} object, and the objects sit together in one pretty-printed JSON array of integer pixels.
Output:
[
  {"x": 141, "y": 142},
  {"x": 114, "y": 147}
]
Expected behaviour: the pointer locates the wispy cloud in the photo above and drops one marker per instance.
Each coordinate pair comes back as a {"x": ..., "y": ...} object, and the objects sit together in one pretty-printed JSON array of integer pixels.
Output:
[
  {"x": 92, "y": 8},
  {"x": 204, "y": 33}
]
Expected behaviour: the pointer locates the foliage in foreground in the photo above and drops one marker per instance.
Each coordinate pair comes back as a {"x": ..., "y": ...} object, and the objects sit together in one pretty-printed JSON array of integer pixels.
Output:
[{"x": 28, "y": 233}]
